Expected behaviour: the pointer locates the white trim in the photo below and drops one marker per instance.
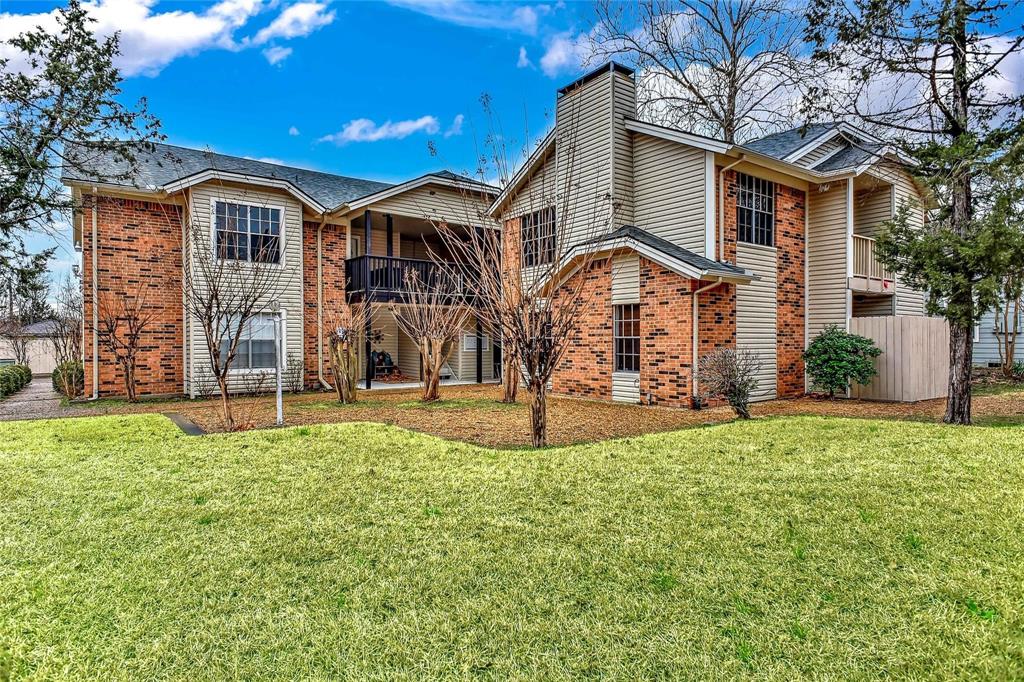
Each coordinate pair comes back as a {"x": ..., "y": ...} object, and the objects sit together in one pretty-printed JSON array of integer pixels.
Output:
[
  {"x": 213, "y": 228},
  {"x": 709, "y": 206},
  {"x": 208, "y": 175},
  {"x": 828, "y": 156},
  {"x": 429, "y": 179},
  {"x": 471, "y": 336},
  {"x": 282, "y": 359},
  {"x": 811, "y": 145},
  {"x": 705, "y": 143}
]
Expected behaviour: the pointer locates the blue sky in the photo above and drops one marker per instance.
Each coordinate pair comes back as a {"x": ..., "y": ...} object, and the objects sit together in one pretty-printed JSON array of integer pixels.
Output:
[{"x": 355, "y": 88}]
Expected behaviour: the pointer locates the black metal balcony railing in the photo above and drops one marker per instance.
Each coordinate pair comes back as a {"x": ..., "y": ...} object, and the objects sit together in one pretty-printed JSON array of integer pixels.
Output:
[{"x": 382, "y": 278}]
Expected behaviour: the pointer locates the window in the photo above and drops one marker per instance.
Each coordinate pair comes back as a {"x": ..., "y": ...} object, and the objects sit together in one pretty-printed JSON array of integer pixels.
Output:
[
  {"x": 626, "y": 337},
  {"x": 256, "y": 345},
  {"x": 755, "y": 211},
  {"x": 469, "y": 342},
  {"x": 538, "y": 237},
  {"x": 249, "y": 233}
]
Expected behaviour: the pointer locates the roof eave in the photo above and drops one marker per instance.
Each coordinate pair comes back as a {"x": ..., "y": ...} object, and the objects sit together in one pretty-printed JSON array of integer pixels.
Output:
[
  {"x": 524, "y": 173},
  {"x": 423, "y": 180},
  {"x": 275, "y": 183}
]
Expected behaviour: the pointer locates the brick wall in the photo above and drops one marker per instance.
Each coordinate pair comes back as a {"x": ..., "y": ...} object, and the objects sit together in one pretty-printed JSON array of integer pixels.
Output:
[
  {"x": 333, "y": 250},
  {"x": 586, "y": 368},
  {"x": 139, "y": 253},
  {"x": 666, "y": 333},
  {"x": 790, "y": 205}
]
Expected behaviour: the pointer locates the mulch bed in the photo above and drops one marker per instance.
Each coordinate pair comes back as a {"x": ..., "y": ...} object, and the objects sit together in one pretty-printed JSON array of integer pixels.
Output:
[{"x": 474, "y": 413}]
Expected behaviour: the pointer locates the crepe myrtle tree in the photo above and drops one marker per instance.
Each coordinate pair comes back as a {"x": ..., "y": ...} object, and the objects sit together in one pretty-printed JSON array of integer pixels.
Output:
[
  {"x": 123, "y": 318},
  {"x": 926, "y": 77},
  {"x": 228, "y": 282},
  {"x": 346, "y": 333},
  {"x": 530, "y": 263}
]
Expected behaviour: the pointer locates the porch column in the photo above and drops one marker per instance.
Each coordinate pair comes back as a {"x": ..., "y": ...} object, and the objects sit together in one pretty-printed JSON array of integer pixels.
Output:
[
  {"x": 369, "y": 325},
  {"x": 369, "y": 350},
  {"x": 479, "y": 351},
  {"x": 391, "y": 233},
  {"x": 366, "y": 229}
]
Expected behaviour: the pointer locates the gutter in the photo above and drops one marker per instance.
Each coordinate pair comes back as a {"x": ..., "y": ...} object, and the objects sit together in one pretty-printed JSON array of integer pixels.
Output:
[{"x": 695, "y": 360}]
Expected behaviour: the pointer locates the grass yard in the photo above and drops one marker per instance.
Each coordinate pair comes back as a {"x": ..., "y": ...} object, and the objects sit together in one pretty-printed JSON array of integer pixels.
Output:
[{"x": 781, "y": 548}]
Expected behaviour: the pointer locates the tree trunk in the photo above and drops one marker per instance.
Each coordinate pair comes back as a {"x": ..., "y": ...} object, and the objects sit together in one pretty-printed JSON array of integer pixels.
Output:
[
  {"x": 225, "y": 404},
  {"x": 128, "y": 367},
  {"x": 509, "y": 380},
  {"x": 538, "y": 417},
  {"x": 430, "y": 351},
  {"x": 958, "y": 403}
]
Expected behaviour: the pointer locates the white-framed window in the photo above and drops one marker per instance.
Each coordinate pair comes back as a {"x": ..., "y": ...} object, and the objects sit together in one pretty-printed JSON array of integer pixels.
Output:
[
  {"x": 256, "y": 347},
  {"x": 977, "y": 333},
  {"x": 247, "y": 232},
  {"x": 755, "y": 210},
  {"x": 626, "y": 337},
  {"x": 537, "y": 237},
  {"x": 469, "y": 342}
]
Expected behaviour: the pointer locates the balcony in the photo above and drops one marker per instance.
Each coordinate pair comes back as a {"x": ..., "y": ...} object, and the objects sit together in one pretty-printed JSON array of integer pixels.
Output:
[
  {"x": 869, "y": 276},
  {"x": 383, "y": 279}
]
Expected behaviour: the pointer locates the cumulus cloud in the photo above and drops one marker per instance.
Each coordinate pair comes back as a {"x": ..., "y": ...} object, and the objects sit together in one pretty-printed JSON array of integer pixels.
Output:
[
  {"x": 456, "y": 127},
  {"x": 524, "y": 61},
  {"x": 565, "y": 53},
  {"x": 487, "y": 15},
  {"x": 296, "y": 21},
  {"x": 277, "y": 54},
  {"x": 366, "y": 130},
  {"x": 293, "y": 131}
]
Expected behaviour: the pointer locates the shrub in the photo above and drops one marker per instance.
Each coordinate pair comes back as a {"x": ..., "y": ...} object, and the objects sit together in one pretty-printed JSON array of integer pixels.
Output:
[
  {"x": 13, "y": 378},
  {"x": 836, "y": 358},
  {"x": 69, "y": 378},
  {"x": 729, "y": 374},
  {"x": 1018, "y": 369}
]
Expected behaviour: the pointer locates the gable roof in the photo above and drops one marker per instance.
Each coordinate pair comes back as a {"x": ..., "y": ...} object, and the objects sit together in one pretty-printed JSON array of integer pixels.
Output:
[
  {"x": 165, "y": 165},
  {"x": 783, "y": 144},
  {"x": 851, "y": 156}
]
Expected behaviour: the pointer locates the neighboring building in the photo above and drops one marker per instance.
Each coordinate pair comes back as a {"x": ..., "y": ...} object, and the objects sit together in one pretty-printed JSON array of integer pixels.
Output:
[
  {"x": 42, "y": 358},
  {"x": 337, "y": 239},
  {"x": 707, "y": 245},
  {"x": 757, "y": 246},
  {"x": 988, "y": 338}
]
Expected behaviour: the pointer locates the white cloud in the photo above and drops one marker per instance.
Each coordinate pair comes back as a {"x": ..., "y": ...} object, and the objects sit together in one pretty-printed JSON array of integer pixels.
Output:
[
  {"x": 524, "y": 61},
  {"x": 365, "y": 130},
  {"x": 293, "y": 131},
  {"x": 277, "y": 54},
  {"x": 565, "y": 53},
  {"x": 296, "y": 21},
  {"x": 456, "y": 127},
  {"x": 488, "y": 15}
]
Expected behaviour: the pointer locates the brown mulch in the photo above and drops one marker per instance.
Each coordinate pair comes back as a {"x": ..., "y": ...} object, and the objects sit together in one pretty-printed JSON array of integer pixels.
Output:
[{"x": 473, "y": 413}]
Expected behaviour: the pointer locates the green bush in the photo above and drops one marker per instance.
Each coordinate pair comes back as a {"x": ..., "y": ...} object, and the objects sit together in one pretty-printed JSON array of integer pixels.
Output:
[
  {"x": 836, "y": 358},
  {"x": 13, "y": 378},
  {"x": 69, "y": 378},
  {"x": 1018, "y": 369}
]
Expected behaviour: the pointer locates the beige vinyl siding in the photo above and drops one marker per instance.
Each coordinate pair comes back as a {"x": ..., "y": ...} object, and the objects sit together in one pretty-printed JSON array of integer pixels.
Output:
[
  {"x": 625, "y": 290},
  {"x": 41, "y": 356},
  {"x": 408, "y": 356},
  {"x": 466, "y": 359},
  {"x": 756, "y": 306},
  {"x": 538, "y": 192},
  {"x": 909, "y": 301},
  {"x": 670, "y": 192},
  {"x": 872, "y": 306},
  {"x": 820, "y": 152},
  {"x": 624, "y": 100},
  {"x": 431, "y": 202},
  {"x": 379, "y": 239},
  {"x": 826, "y": 248},
  {"x": 871, "y": 209},
  {"x": 289, "y": 293}
]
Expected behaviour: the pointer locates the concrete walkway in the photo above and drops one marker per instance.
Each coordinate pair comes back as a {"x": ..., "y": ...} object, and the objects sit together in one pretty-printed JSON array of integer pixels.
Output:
[{"x": 38, "y": 400}]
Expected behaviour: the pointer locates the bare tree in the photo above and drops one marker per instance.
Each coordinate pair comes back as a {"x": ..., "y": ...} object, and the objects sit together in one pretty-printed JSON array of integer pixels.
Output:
[
  {"x": 67, "y": 322},
  {"x": 1008, "y": 320},
  {"x": 122, "y": 319},
  {"x": 12, "y": 330},
  {"x": 432, "y": 312},
  {"x": 347, "y": 332},
  {"x": 226, "y": 286},
  {"x": 731, "y": 375},
  {"x": 731, "y": 70}
]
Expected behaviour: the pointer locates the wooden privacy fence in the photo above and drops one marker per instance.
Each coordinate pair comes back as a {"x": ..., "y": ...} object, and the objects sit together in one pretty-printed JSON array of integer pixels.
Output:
[{"x": 914, "y": 364}]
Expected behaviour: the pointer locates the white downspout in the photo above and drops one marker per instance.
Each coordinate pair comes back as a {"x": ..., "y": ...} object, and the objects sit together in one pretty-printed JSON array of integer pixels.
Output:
[
  {"x": 695, "y": 361},
  {"x": 95, "y": 300},
  {"x": 721, "y": 206}
]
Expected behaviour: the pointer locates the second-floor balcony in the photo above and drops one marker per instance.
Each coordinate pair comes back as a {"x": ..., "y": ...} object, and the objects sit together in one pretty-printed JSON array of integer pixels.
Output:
[
  {"x": 387, "y": 279},
  {"x": 869, "y": 276}
]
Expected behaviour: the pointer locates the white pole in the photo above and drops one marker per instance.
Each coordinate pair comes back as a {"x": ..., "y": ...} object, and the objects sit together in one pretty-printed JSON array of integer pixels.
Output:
[{"x": 277, "y": 351}]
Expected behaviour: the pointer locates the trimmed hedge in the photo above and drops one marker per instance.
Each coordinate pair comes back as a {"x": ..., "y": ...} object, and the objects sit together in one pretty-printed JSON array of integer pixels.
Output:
[
  {"x": 69, "y": 379},
  {"x": 13, "y": 378}
]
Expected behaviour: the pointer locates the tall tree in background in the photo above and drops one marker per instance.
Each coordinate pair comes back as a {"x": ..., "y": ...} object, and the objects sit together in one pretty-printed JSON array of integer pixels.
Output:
[
  {"x": 65, "y": 93},
  {"x": 732, "y": 70},
  {"x": 926, "y": 76}
]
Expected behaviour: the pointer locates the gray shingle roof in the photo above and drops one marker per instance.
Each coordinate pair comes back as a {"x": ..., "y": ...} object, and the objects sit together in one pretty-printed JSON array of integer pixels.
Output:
[
  {"x": 43, "y": 328},
  {"x": 673, "y": 250},
  {"x": 853, "y": 156},
  {"x": 167, "y": 163},
  {"x": 781, "y": 145}
]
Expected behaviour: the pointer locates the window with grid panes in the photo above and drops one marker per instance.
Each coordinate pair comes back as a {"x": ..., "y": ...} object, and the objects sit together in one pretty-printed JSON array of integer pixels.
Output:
[
  {"x": 249, "y": 233},
  {"x": 538, "y": 237},
  {"x": 626, "y": 337},
  {"x": 255, "y": 348},
  {"x": 755, "y": 210}
]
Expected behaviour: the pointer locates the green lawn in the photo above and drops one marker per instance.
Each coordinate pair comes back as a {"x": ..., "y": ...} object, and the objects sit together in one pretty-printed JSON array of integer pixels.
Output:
[{"x": 810, "y": 547}]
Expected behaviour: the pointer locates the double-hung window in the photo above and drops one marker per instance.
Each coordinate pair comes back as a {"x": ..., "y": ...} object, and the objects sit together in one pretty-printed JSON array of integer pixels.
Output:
[
  {"x": 246, "y": 232},
  {"x": 755, "y": 210},
  {"x": 255, "y": 346},
  {"x": 538, "y": 237},
  {"x": 626, "y": 337}
]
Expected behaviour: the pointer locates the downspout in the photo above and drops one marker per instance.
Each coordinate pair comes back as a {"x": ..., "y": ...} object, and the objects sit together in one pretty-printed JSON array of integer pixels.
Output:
[
  {"x": 695, "y": 360},
  {"x": 721, "y": 206},
  {"x": 95, "y": 300}
]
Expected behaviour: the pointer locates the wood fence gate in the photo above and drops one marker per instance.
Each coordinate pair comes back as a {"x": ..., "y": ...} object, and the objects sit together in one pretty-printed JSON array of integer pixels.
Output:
[{"x": 914, "y": 364}]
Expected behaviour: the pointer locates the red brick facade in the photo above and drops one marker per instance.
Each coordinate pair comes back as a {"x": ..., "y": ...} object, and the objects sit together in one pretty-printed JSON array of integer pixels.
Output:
[
  {"x": 333, "y": 249},
  {"x": 790, "y": 244},
  {"x": 139, "y": 253},
  {"x": 666, "y": 335},
  {"x": 586, "y": 367}
]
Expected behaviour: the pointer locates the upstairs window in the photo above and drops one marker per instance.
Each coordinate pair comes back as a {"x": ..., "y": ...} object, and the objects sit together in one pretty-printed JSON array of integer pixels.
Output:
[
  {"x": 538, "y": 237},
  {"x": 755, "y": 210},
  {"x": 626, "y": 337},
  {"x": 249, "y": 233}
]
